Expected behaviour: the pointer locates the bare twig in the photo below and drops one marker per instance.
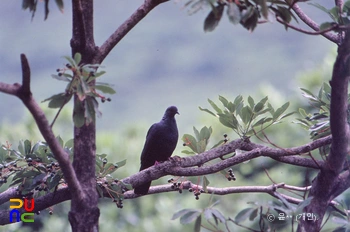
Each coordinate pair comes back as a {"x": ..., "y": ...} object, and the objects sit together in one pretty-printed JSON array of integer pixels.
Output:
[
  {"x": 322, "y": 32},
  {"x": 312, "y": 24}
]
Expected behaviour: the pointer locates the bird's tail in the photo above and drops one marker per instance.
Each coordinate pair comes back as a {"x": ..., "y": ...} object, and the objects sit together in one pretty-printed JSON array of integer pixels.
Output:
[{"x": 142, "y": 189}]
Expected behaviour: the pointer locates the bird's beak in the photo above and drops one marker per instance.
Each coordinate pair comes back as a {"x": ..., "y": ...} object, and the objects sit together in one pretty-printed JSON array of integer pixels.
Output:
[{"x": 178, "y": 113}]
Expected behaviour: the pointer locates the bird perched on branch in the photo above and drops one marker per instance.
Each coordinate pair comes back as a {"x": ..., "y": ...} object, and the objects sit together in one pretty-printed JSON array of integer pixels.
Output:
[{"x": 160, "y": 143}]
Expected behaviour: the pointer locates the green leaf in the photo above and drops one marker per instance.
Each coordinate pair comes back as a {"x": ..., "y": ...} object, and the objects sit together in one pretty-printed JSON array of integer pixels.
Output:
[
  {"x": 284, "y": 13},
  {"x": 326, "y": 25},
  {"x": 303, "y": 204},
  {"x": 60, "y": 140},
  {"x": 224, "y": 101},
  {"x": 206, "y": 182},
  {"x": 90, "y": 113},
  {"x": 27, "y": 147},
  {"x": 190, "y": 216},
  {"x": 69, "y": 143},
  {"x": 60, "y": 77},
  {"x": 303, "y": 113},
  {"x": 286, "y": 115},
  {"x": 105, "y": 88},
  {"x": 215, "y": 107},
  {"x": 244, "y": 214},
  {"x": 260, "y": 122},
  {"x": 306, "y": 93},
  {"x": 231, "y": 107},
  {"x": 77, "y": 56},
  {"x": 21, "y": 147},
  {"x": 264, "y": 9},
  {"x": 253, "y": 214},
  {"x": 251, "y": 102},
  {"x": 219, "y": 215},
  {"x": 53, "y": 181},
  {"x": 196, "y": 133},
  {"x": 205, "y": 133},
  {"x": 213, "y": 18},
  {"x": 208, "y": 111},
  {"x": 233, "y": 12},
  {"x": 238, "y": 102},
  {"x": 96, "y": 75},
  {"x": 78, "y": 114},
  {"x": 120, "y": 163},
  {"x": 188, "y": 152},
  {"x": 108, "y": 169},
  {"x": 229, "y": 121},
  {"x": 182, "y": 213},
  {"x": 71, "y": 61},
  {"x": 190, "y": 142},
  {"x": 201, "y": 146},
  {"x": 60, "y": 6},
  {"x": 84, "y": 86},
  {"x": 260, "y": 105},
  {"x": 197, "y": 224},
  {"x": 280, "y": 111},
  {"x": 58, "y": 100},
  {"x": 246, "y": 114},
  {"x": 249, "y": 18},
  {"x": 218, "y": 143}
]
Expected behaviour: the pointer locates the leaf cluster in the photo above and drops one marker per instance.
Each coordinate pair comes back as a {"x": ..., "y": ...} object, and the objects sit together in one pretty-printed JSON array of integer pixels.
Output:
[
  {"x": 339, "y": 16},
  {"x": 81, "y": 80},
  {"x": 317, "y": 123},
  {"x": 106, "y": 183},
  {"x": 35, "y": 171},
  {"x": 272, "y": 215},
  {"x": 341, "y": 217},
  {"x": 198, "y": 143},
  {"x": 244, "y": 12},
  {"x": 33, "y": 167},
  {"x": 31, "y": 5},
  {"x": 187, "y": 216},
  {"x": 250, "y": 119}
]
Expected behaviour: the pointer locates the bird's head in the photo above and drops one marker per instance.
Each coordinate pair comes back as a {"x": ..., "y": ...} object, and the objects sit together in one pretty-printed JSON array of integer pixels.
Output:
[{"x": 171, "y": 111}]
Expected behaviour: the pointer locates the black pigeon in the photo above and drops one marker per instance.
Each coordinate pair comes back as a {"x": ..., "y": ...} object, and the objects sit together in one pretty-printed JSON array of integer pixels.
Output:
[{"x": 160, "y": 143}]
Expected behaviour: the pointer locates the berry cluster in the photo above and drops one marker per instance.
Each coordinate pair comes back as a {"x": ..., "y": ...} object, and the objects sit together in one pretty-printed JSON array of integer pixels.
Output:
[
  {"x": 176, "y": 185},
  {"x": 119, "y": 203},
  {"x": 230, "y": 175},
  {"x": 225, "y": 138},
  {"x": 52, "y": 168},
  {"x": 7, "y": 170},
  {"x": 196, "y": 192}
]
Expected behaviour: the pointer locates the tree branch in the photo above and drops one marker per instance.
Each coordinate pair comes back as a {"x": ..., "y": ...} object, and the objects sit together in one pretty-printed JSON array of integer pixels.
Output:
[
  {"x": 194, "y": 165},
  {"x": 23, "y": 92},
  {"x": 123, "y": 29},
  {"x": 312, "y": 24},
  {"x": 335, "y": 26}
]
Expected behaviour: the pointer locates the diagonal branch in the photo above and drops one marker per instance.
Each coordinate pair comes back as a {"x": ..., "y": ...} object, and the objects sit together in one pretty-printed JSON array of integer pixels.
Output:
[
  {"x": 312, "y": 24},
  {"x": 123, "y": 29},
  {"x": 23, "y": 92}
]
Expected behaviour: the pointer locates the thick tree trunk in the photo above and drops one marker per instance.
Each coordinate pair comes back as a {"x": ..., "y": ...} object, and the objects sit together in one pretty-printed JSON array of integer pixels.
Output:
[
  {"x": 84, "y": 212},
  {"x": 330, "y": 180}
]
